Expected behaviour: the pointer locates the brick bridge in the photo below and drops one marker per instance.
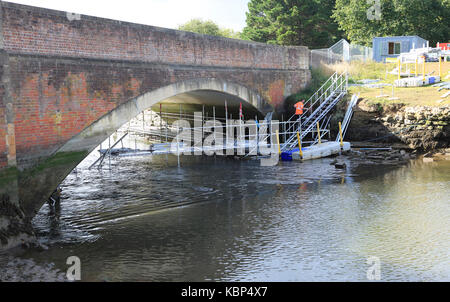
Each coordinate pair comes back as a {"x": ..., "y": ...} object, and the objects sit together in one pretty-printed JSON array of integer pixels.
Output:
[{"x": 69, "y": 81}]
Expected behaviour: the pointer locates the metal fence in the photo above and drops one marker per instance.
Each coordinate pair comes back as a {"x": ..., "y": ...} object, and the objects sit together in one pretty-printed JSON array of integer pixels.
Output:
[{"x": 342, "y": 51}]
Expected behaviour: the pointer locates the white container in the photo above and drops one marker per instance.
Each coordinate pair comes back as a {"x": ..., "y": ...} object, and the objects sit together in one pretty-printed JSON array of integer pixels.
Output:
[
  {"x": 322, "y": 150},
  {"x": 417, "y": 81}
]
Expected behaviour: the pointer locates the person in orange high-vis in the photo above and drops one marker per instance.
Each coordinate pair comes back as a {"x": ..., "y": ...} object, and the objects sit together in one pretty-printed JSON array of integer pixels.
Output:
[{"x": 299, "y": 108}]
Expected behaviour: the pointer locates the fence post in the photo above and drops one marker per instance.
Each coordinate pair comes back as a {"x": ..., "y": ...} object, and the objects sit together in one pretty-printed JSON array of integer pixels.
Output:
[
  {"x": 300, "y": 145},
  {"x": 278, "y": 141},
  {"x": 340, "y": 132},
  {"x": 346, "y": 81},
  {"x": 416, "y": 70},
  {"x": 318, "y": 133},
  {"x": 423, "y": 69}
]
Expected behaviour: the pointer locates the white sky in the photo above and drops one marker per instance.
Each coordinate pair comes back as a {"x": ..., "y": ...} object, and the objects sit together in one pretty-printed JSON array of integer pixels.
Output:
[{"x": 163, "y": 13}]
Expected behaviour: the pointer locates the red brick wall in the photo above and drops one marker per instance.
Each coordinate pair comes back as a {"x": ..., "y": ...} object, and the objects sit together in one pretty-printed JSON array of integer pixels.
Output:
[
  {"x": 3, "y": 154},
  {"x": 31, "y": 30},
  {"x": 55, "y": 100},
  {"x": 65, "y": 74}
]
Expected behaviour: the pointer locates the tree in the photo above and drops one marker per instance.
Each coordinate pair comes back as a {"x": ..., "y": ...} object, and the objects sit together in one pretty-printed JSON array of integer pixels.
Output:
[
  {"x": 292, "y": 22},
  {"x": 427, "y": 19},
  {"x": 201, "y": 27},
  {"x": 229, "y": 33},
  {"x": 209, "y": 28}
]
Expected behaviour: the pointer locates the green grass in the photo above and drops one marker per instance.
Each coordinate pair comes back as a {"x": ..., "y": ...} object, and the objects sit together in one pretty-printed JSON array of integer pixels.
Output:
[
  {"x": 7, "y": 175},
  {"x": 358, "y": 70},
  {"x": 412, "y": 96},
  {"x": 57, "y": 160}
]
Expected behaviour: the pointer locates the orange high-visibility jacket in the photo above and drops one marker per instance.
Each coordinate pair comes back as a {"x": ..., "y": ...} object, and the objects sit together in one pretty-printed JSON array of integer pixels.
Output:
[{"x": 299, "y": 108}]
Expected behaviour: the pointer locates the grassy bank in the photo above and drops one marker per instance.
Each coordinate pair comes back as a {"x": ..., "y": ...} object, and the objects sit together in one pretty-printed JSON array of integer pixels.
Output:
[{"x": 412, "y": 96}]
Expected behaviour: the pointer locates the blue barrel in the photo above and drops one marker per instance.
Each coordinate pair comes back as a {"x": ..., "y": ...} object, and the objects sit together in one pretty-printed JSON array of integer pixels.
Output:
[{"x": 286, "y": 156}]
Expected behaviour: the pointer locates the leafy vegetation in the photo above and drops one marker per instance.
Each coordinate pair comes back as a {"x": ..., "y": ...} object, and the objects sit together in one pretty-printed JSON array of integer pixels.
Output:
[
  {"x": 320, "y": 23},
  {"x": 427, "y": 19},
  {"x": 209, "y": 28},
  {"x": 294, "y": 22}
]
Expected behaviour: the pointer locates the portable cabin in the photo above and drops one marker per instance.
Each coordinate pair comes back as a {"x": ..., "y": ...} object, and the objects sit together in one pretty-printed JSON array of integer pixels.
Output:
[
  {"x": 392, "y": 47},
  {"x": 443, "y": 46}
]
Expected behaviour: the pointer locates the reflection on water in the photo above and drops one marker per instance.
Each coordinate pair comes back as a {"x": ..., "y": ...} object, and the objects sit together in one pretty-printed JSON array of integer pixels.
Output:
[{"x": 146, "y": 219}]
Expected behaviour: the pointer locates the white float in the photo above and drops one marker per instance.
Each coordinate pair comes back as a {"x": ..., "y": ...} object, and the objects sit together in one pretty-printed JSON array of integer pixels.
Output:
[
  {"x": 417, "y": 81},
  {"x": 322, "y": 150}
]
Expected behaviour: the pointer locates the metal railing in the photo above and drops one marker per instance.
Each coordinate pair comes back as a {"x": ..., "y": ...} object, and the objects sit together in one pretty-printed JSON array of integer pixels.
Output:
[
  {"x": 293, "y": 122},
  {"x": 319, "y": 105},
  {"x": 348, "y": 116},
  {"x": 317, "y": 109}
]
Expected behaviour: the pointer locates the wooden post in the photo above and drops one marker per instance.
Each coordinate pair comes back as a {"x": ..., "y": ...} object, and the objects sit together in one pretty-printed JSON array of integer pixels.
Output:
[
  {"x": 423, "y": 69},
  {"x": 257, "y": 135},
  {"x": 300, "y": 145},
  {"x": 278, "y": 141},
  {"x": 416, "y": 70},
  {"x": 340, "y": 133},
  {"x": 214, "y": 129},
  {"x": 203, "y": 119},
  {"x": 160, "y": 123},
  {"x": 318, "y": 133}
]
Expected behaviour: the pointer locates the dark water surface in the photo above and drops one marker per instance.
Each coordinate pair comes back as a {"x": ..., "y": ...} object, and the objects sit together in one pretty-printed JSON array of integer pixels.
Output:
[{"x": 146, "y": 219}]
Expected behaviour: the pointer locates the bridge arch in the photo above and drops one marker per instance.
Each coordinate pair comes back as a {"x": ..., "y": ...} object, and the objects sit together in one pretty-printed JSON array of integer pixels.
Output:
[
  {"x": 92, "y": 136},
  {"x": 54, "y": 76},
  {"x": 37, "y": 187}
]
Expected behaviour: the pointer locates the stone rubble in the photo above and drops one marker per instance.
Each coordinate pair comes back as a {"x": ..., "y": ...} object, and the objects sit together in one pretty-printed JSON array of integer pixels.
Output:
[
  {"x": 26, "y": 270},
  {"x": 423, "y": 128}
]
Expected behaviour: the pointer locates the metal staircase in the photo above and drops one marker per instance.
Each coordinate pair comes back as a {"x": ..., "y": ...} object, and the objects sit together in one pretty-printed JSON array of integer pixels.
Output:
[
  {"x": 317, "y": 109},
  {"x": 348, "y": 116}
]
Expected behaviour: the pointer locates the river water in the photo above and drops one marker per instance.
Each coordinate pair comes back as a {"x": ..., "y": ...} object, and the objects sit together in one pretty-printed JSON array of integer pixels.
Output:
[{"x": 215, "y": 219}]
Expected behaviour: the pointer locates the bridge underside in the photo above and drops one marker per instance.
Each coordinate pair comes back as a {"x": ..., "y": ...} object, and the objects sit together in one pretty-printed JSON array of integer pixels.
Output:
[
  {"x": 68, "y": 83},
  {"x": 25, "y": 191},
  {"x": 211, "y": 101}
]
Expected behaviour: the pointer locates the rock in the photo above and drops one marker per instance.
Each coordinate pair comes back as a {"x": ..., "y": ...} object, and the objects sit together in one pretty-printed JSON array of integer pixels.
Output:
[
  {"x": 340, "y": 166},
  {"x": 428, "y": 155},
  {"x": 411, "y": 116},
  {"x": 408, "y": 122},
  {"x": 402, "y": 152},
  {"x": 428, "y": 160}
]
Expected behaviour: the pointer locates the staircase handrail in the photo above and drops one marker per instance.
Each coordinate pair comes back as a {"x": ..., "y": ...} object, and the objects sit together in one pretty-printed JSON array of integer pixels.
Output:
[
  {"x": 329, "y": 93},
  {"x": 348, "y": 116},
  {"x": 331, "y": 78}
]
